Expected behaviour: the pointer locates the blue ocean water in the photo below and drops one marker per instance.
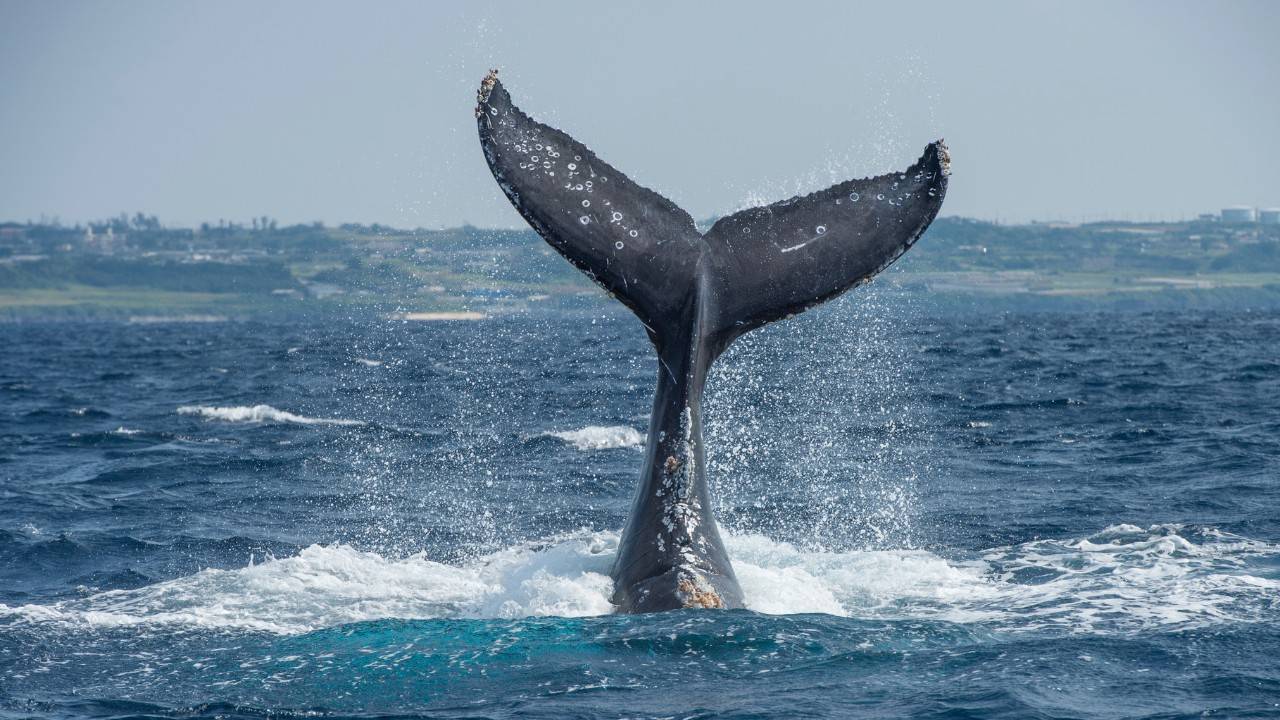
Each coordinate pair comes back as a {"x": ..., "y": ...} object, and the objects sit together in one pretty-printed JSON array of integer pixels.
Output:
[{"x": 937, "y": 515}]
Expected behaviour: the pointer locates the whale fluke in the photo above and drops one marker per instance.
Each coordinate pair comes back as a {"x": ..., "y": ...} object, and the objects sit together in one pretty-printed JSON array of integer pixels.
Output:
[
  {"x": 695, "y": 294},
  {"x": 632, "y": 241},
  {"x": 786, "y": 257}
]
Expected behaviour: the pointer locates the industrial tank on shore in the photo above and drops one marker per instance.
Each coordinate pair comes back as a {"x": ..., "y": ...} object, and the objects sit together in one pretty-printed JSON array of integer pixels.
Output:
[{"x": 1237, "y": 214}]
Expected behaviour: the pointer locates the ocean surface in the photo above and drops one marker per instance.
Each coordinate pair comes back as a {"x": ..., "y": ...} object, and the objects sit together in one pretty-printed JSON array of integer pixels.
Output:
[{"x": 933, "y": 515}]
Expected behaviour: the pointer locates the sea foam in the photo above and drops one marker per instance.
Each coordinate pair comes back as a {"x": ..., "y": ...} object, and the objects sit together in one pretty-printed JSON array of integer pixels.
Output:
[
  {"x": 599, "y": 437},
  {"x": 258, "y": 414},
  {"x": 1122, "y": 580}
]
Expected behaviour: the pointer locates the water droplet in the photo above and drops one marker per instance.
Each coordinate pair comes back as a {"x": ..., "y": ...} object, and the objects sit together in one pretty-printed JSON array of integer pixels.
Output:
[
  {"x": 880, "y": 196},
  {"x": 572, "y": 166},
  {"x": 585, "y": 219},
  {"x": 855, "y": 196},
  {"x": 633, "y": 233},
  {"x": 578, "y": 186},
  {"x": 577, "y": 157},
  {"x": 822, "y": 229},
  {"x": 586, "y": 203},
  {"x": 537, "y": 146},
  {"x": 617, "y": 216},
  {"x": 493, "y": 112},
  {"x": 746, "y": 231},
  {"x": 534, "y": 158},
  {"x": 546, "y": 164},
  {"x": 618, "y": 245},
  {"x": 588, "y": 183}
]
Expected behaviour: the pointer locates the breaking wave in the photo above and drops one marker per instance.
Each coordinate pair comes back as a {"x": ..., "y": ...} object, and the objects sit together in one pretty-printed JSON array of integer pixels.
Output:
[
  {"x": 258, "y": 414},
  {"x": 1124, "y": 579},
  {"x": 598, "y": 437}
]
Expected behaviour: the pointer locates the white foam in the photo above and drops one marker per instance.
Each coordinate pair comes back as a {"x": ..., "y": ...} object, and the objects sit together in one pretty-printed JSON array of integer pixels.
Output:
[
  {"x": 323, "y": 586},
  {"x": 1135, "y": 578},
  {"x": 369, "y": 363},
  {"x": 258, "y": 414},
  {"x": 1122, "y": 580},
  {"x": 777, "y": 579},
  {"x": 601, "y": 437},
  {"x": 122, "y": 430}
]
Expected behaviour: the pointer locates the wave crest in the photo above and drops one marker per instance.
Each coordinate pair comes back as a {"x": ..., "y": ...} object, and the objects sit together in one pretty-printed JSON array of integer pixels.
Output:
[
  {"x": 1124, "y": 579},
  {"x": 323, "y": 586},
  {"x": 600, "y": 437},
  {"x": 259, "y": 414}
]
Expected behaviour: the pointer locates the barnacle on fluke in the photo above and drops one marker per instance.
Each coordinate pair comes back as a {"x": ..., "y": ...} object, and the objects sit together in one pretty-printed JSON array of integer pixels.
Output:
[
  {"x": 695, "y": 294},
  {"x": 486, "y": 87}
]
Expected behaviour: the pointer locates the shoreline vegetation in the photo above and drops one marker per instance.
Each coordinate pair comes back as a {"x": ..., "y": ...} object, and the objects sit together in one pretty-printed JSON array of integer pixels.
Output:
[{"x": 135, "y": 269}]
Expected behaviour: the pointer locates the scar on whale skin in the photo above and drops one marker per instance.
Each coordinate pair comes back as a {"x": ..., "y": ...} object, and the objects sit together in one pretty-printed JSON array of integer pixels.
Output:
[{"x": 695, "y": 293}]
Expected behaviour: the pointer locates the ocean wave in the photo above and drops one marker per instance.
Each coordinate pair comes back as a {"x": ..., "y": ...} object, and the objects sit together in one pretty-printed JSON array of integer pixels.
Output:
[
  {"x": 600, "y": 437},
  {"x": 323, "y": 586},
  {"x": 1124, "y": 579},
  {"x": 259, "y": 414},
  {"x": 1120, "y": 580},
  {"x": 1161, "y": 576},
  {"x": 187, "y": 318}
]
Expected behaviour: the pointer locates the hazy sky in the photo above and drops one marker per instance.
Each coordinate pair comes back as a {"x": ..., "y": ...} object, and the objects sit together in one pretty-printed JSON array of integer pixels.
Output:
[{"x": 363, "y": 111}]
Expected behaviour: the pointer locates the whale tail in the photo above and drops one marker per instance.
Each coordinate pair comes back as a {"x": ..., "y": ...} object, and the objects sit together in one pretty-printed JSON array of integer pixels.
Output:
[
  {"x": 695, "y": 293},
  {"x": 765, "y": 263}
]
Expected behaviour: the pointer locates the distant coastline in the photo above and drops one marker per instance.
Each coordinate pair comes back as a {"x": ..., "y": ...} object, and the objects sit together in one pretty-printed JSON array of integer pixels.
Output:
[{"x": 134, "y": 267}]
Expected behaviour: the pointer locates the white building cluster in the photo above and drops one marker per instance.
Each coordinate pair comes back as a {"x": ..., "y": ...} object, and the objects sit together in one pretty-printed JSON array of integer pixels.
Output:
[{"x": 1246, "y": 214}]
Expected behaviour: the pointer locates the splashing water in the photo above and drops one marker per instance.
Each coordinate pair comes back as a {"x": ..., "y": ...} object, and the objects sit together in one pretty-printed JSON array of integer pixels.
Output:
[
  {"x": 837, "y": 473},
  {"x": 1123, "y": 579}
]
